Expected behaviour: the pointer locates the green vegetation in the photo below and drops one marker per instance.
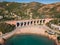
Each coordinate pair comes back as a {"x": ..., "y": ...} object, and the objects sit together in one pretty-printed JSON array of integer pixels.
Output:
[
  {"x": 55, "y": 29},
  {"x": 4, "y": 27},
  {"x": 55, "y": 21},
  {"x": 58, "y": 38},
  {"x": 15, "y": 11}
]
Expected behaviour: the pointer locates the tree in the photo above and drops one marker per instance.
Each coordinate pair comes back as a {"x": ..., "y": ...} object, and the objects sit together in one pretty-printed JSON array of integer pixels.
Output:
[
  {"x": 4, "y": 27},
  {"x": 58, "y": 38}
]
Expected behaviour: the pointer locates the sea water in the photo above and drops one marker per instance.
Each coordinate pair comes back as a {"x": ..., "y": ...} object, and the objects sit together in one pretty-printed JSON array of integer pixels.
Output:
[{"x": 29, "y": 40}]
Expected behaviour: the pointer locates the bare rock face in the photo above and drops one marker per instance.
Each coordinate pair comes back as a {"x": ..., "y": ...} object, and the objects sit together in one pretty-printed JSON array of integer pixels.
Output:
[{"x": 1, "y": 41}]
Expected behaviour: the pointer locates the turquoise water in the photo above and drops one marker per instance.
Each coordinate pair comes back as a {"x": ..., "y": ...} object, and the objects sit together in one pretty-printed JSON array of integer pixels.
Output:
[{"x": 29, "y": 40}]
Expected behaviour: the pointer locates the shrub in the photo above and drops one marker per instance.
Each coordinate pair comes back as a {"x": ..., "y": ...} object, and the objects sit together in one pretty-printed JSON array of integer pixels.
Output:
[{"x": 4, "y": 27}]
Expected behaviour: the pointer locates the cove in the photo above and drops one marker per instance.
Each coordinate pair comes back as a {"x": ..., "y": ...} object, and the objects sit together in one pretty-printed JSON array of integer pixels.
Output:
[{"x": 29, "y": 40}]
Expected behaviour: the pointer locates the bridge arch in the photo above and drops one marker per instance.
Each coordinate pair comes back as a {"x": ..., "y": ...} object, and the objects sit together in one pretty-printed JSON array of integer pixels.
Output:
[
  {"x": 18, "y": 24},
  {"x": 28, "y": 23},
  {"x": 31, "y": 22},
  {"x": 25, "y": 23}
]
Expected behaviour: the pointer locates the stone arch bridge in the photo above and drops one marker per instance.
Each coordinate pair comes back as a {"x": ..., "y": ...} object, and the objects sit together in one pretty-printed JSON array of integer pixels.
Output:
[{"x": 22, "y": 23}]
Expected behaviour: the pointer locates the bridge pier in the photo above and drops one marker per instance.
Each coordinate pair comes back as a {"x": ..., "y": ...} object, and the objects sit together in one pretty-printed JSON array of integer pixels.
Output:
[
  {"x": 42, "y": 22},
  {"x": 39, "y": 21},
  {"x": 36, "y": 23},
  {"x": 27, "y": 23},
  {"x": 33, "y": 23},
  {"x": 22, "y": 23}
]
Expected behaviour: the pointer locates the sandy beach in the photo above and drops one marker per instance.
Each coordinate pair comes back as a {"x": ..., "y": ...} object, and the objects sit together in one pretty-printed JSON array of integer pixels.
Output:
[
  {"x": 32, "y": 29},
  {"x": 38, "y": 29}
]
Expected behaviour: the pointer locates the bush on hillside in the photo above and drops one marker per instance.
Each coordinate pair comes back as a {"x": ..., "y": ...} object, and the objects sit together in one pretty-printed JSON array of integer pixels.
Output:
[{"x": 4, "y": 27}]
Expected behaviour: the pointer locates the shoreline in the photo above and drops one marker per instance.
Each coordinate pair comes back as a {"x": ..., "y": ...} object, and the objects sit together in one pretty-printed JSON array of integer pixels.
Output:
[
  {"x": 52, "y": 37},
  {"x": 36, "y": 30},
  {"x": 38, "y": 35},
  {"x": 44, "y": 35}
]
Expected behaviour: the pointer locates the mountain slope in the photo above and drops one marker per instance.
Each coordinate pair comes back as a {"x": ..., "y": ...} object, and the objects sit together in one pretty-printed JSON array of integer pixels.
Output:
[{"x": 13, "y": 10}]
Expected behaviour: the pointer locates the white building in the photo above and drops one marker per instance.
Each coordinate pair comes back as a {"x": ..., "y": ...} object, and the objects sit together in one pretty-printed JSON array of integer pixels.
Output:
[
  {"x": 56, "y": 27},
  {"x": 1, "y": 17}
]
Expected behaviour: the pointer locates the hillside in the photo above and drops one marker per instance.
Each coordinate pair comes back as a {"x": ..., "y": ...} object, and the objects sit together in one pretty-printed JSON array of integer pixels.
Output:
[
  {"x": 5, "y": 28},
  {"x": 15, "y": 11}
]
